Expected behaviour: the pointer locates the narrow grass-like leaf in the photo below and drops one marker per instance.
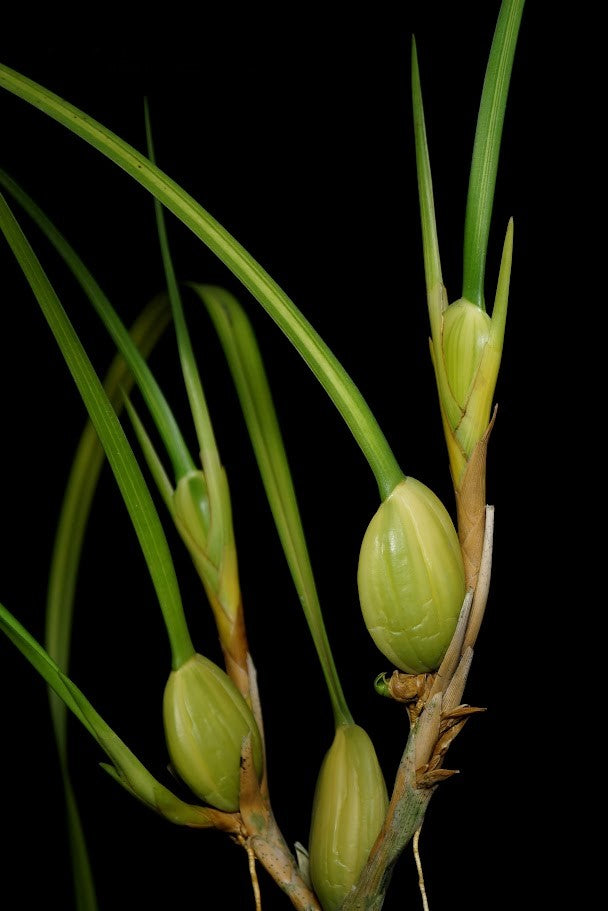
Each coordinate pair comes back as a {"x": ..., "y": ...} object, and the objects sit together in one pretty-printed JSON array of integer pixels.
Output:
[
  {"x": 247, "y": 368},
  {"x": 120, "y": 455},
  {"x": 154, "y": 398},
  {"x": 73, "y": 520},
  {"x": 210, "y": 458},
  {"x": 153, "y": 460},
  {"x": 133, "y": 774},
  {"x": 77, "y": 500},
  {"x": 430, "y": 242},
  {"x": 82, "y": 873},
  {"x": 436, "y": 296},
  {"x": 39, "y": 660},
  {"x": 486, "y": 150},
  {"x": 312, "y": 348},
  {"x": 70, "y": 531}
]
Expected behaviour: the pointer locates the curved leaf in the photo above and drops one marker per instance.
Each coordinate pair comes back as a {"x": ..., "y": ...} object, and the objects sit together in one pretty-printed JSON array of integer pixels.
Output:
[
  {"x": 328, "y": 370},
  {"x": 120, "y": 455}
]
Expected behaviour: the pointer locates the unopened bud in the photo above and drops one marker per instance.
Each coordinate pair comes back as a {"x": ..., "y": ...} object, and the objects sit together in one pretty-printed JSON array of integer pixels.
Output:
[
  {"x": 349, "y": 807},
  {"x": 466, "y": 331},
  {"x": 206, "y": 720},
  {"x": 411, "y": 578}
]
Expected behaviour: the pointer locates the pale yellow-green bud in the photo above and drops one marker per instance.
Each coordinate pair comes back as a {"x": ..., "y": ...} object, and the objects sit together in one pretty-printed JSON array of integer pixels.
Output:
[
  {"x": 349, "y": 807},
  {"x": 411, "y": 578},
  {"x": 466, "y": 331},
  {"x": 191, "y": 505},
  {"x": 206, "y": 720}
]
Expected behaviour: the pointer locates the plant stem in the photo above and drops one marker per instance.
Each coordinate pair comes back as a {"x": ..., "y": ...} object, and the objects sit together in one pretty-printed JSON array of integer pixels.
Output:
[{"x": 405, "y": 815}]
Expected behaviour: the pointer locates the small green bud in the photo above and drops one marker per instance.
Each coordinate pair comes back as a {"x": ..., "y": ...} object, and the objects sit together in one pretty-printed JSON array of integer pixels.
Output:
[
  {"x": 349, "y": 807},
  {"x": 466, "y": 331},
  {"x": 191, "y": 504},
  {"x": 411, "y": 578},
  {"x": 206, "y": 720}
]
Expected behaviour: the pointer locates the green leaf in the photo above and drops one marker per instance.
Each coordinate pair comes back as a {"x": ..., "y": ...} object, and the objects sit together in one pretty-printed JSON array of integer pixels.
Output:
[
  {"x": 82, "y": 874},
  {"x": 73, "y": 520},
  {"x": 247, "y": 368},
  {"x": 78, "y": 497},
  {"x": 216, "y": 530},
  {"x": 71, "y": 527},
  {"x": 152, "y": 458},
  {"x": 430, "y": 242},
  {"x": 154, "y": 398},
  {"x": 330, "y": 373},
  {"x": 435, "y": 291},
  {"x": 486, "y": 150},
  {"x": 120, "y": 455},
  {"x": 39, "y": 659},
  {"x": 133, "y": 775}
]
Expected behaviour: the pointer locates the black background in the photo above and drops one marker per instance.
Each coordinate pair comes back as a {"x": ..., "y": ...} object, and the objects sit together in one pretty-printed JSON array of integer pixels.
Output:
[{"x": 294, "y": 131}]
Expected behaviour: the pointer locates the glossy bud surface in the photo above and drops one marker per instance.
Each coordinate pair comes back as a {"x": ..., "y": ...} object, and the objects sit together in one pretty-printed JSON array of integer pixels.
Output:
[
  {"x": 411, "y": 578},
  {"x": 206, "y": 720}
]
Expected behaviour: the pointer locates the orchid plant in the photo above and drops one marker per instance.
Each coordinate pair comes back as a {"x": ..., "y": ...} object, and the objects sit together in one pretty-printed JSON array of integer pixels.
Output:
[{"x": 307, "y": 729}]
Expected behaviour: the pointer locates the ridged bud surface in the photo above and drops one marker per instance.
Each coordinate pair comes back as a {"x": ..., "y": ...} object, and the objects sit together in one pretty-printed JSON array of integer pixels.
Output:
[
  {"x": 466, "y": 331},
  {"x": 411, "y": 578},
  {"x": 206, "y": 720},
  {"x": 349, "y": 807}
]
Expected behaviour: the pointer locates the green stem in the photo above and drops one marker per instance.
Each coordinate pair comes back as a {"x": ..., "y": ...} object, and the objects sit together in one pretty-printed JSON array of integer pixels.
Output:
[
  {"x": 405, "y": 816},
  {"x": 486, "y": 150}
]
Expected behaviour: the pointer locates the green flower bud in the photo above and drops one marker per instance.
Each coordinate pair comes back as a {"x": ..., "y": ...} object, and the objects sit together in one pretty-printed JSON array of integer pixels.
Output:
[
  {"x": 411, "y": 578},
  {"x": 349, "y": 807},
  {"x": 466, "y": 332},
  {"x": 191, "y": 505},
  {"x": 206, "y": 720}
]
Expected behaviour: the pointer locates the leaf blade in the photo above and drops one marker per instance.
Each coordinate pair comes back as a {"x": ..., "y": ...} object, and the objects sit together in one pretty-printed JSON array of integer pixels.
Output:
[
  {"x": 247, "y": 368},
  {"x": 325, "y": 366},
  {"x": 142, "y": 784},
  {"x": 120, "y": 455},
  {"x": 486, "y": 150}
]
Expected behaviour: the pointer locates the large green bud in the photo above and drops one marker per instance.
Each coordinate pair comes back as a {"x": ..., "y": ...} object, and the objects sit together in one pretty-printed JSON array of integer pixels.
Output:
[
  {"x": 411, "y": 578},
  {"x": 206, "y": 720},
  {"x": 349, "y": 807}
]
